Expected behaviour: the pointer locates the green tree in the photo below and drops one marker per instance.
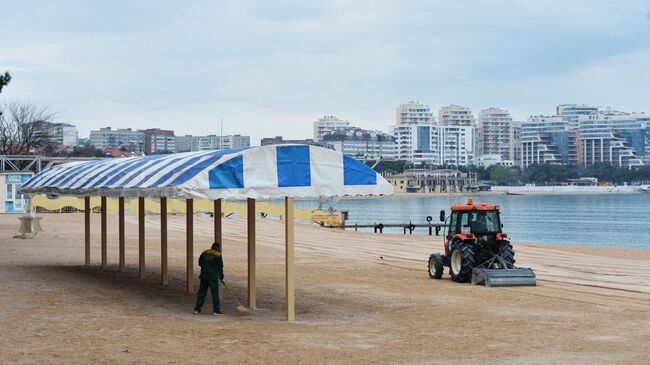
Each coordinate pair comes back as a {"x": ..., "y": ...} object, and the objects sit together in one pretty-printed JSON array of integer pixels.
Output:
[
  {"x": 4, "y": 80},
  {"x": 502, "y": 174},
  {"x": 390, "y": 166}
]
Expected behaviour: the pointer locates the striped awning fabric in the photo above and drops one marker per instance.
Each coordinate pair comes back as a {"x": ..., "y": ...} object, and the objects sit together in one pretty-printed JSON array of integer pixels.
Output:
[{"x": 265, "y": 172}]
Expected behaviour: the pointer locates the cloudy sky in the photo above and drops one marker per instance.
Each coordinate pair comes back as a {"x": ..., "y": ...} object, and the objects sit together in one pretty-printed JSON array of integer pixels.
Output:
[{"x": 273, "y": 67}]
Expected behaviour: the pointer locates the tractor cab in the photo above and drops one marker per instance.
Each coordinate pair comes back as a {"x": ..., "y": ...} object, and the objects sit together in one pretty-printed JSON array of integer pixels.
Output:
[{"x": 479, "y": 222}]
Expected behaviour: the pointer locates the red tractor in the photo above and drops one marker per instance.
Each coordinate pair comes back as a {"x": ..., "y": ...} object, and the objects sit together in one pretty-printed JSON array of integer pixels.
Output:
[{"x": 477, "y": 250}]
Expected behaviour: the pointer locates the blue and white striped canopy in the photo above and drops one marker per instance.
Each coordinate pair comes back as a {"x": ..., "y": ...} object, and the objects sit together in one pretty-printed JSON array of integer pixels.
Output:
[{"x": 266, "y": 172}]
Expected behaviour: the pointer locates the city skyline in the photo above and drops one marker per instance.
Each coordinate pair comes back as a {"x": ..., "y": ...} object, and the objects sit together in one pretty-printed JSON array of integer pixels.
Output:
[{"x": 270, "y": 69}]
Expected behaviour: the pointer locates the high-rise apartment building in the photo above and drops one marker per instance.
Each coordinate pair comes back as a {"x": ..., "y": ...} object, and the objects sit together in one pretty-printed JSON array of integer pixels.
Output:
[
  {"x": 124, "y": 139},
  {"x": 495, "y": 133},
  {"x": 64, "y": 134},
  {"x": 432, "y": 144},
  {"x": 327, "y": 125},
  {"x": 159, "y": 140},
  {"x": 580, "y": 136},
  {"x": 615, "y": 138},
  {"x": 189, "y": 143},
  {"x": 571, "y": 112},
  {"x": 362, "y": 144},
  {"x": 414, "y": 113},
  {"x": 548, "y": 140},
  {"x": 455, "y": 115}
]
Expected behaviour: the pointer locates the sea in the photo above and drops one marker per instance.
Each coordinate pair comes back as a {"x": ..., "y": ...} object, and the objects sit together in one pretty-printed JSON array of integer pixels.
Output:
[{"x": 610, "y": 220}]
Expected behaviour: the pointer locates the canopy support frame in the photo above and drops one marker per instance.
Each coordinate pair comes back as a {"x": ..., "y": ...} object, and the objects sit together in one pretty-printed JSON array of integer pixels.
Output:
[
  {"x": 87, "y": 230},
  {"x": 189, "y": 211},
  {"x": 164, "y": 276},
  {"x": 104, "y": 238},
  {"x": 252, "y": 284},
  {"x": 121, "y": 235},
  {"x": 289, "y": 259},
  {"x": 141, "y": 238}
]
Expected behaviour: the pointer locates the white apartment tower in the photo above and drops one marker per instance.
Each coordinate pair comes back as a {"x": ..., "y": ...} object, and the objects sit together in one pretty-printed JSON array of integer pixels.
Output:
[
  {"x": 495, "y": 133},
  {"x": 455, "y": 115},
  {"x": 327, "y": 125},
  {"x": 414, "y": 113},
  {"x": 432, "y": 144}
]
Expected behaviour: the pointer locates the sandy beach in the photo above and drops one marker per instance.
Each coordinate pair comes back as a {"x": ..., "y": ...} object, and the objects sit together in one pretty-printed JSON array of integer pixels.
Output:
[{"x": 360, "y": 298}]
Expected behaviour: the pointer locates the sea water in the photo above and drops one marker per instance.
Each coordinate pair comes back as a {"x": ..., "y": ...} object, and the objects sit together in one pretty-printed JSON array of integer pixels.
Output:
[{"x": 618, "y": 220}]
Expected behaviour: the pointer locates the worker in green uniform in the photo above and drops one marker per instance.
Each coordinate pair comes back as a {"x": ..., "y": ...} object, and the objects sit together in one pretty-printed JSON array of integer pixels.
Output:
[{"x": 211, "y": 264}]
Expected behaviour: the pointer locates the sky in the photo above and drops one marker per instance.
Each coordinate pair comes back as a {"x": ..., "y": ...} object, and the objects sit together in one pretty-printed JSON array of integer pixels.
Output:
[{"x": 271, "y": 68}]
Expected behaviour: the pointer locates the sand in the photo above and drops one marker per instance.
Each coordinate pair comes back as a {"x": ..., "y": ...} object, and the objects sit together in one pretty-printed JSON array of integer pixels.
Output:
[{"x": 592, "y": 305}]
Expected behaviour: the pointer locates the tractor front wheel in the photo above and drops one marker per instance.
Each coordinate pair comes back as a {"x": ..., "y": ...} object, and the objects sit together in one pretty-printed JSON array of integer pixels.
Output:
[
  {"x": 436, "y": 264},
  {"x": 461, "y": 262}
]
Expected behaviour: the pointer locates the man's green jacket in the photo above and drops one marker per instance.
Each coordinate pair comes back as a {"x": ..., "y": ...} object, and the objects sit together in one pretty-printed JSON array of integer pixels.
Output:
[{"x": 211, "y": 265}]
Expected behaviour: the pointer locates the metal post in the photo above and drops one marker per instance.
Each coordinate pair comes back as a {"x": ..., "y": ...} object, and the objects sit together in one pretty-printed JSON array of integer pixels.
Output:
[
  {"x": 87, "y": 231},
  {"x": 141, "y": 237},
  {"x": 189, "y": 211},
  {"x": 252, "y": 299},
  {"x": 103, "y": 231},
  {"x": 163, "y": 241},
  {"x": 289, "y": 239},
  {"x": 218, "y": 229},
  {"x": 120, "y": 223}
]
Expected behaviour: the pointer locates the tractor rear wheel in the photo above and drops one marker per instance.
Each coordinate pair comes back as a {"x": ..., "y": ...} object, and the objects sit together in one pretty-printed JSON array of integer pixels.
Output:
[
  {"x": 435, "y": 266},
  {"x": 461, "y": 262},
  {"x": 507, "y": 252}
]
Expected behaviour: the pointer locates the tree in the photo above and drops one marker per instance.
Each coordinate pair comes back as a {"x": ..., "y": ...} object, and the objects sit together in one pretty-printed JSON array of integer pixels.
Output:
[
  {"x": 502, "y": 174},
  {"x": 4, "y": 80},
  {"x": 86, "y": 151},
  {"x": 390, "y": 166},
  {"x": 24, "y": 128}
]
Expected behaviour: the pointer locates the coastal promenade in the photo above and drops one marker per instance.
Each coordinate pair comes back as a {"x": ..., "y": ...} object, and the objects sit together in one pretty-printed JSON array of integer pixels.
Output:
[{"x": 361, "y": 298}]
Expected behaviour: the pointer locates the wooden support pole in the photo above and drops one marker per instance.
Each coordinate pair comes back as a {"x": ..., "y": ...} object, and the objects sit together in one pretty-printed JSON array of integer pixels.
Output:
[
  {"x": 141, "y": 237},
  {"x": 163, "y": 241},
  {"x": 252, "y": 297},
  {"x": 218, "y": 229},
  {"x": 103, "y": 231},
  {"x": 120, "y": 223},
  {"x": 288, "y": 227},
  {"x": 218, "y": 235},
  {"x": 87, "y": 229},
  {"x": 189, "y": 211}
]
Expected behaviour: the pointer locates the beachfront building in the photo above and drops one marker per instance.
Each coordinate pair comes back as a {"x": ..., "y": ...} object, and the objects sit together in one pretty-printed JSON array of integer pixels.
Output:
[
  {"x": 490, "y": 160},
  {"x": 455, "y": 115},
  {"x": 121, "y": 138},
  {"x": 615, "y": 138},
  {"x": 159, "y": 141},
  {"x": 548, "y": 140},
  {"x": 327, "y": 125},
  {"x": 362, "y": 144},
  {"x": 189, "y": 143},
  {"x": 571, "y": 112},
  {"x": 432, "y": 144},
  {"x": 496, "y": 134},
  {"x": 433, "y": 181},
  {"x": 414, "y": 113}
]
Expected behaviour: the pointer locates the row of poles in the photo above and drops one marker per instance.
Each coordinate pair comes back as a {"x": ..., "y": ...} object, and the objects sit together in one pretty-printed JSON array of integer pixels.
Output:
[{"x": 218, "y": 237}]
